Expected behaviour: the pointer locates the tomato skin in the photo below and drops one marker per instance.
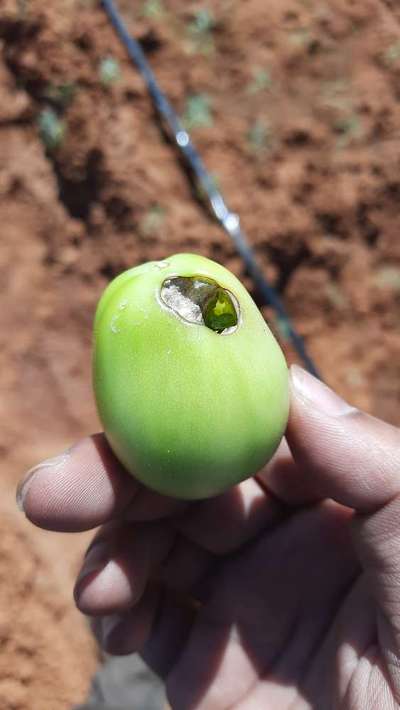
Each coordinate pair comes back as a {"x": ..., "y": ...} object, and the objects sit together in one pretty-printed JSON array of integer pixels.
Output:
[{"x": 187, "y": 410}]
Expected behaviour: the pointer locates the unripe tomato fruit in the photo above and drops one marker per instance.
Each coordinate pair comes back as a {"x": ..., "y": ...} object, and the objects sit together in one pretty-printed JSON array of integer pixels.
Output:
[{"x": 190, "y": 384}]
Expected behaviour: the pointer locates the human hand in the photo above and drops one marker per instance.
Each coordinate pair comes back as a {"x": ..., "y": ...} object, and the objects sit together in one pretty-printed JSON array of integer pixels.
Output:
[{"x": 282, "y": 593}]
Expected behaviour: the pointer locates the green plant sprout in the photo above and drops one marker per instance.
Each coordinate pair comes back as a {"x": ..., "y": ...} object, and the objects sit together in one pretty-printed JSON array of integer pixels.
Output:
[
  {"x": 61, "y": 94},
  {"x": 109, "y": 71},
  {"x": 152, "y": 221},
  {"x": 197, "y": 113},
  {"x": 259, "y": 136},
  {"x": 388, "y": 277},
  {"x": 335, "y": 295},
  {"x": 153, "y": 9},
  {"x": 350, "y": 128},
  {"x": 203, "y": 21},
  {"x": 392, "y": 54},
  {"x": 301, "y": 37},
  {"x": 200, "y": 31},
  {"x": 51, "y": 129},
  {"x": 261, "y": 81}
]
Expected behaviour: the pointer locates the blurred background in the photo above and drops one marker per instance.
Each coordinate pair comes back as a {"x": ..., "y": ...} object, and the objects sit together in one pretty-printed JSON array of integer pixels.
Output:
[{"x": 295, "y": 108}]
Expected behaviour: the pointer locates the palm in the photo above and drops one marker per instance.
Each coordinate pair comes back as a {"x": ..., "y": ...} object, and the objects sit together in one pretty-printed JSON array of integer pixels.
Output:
[
  {"x": 262, "y": 598},
  {"x": 284, "y": 622}
]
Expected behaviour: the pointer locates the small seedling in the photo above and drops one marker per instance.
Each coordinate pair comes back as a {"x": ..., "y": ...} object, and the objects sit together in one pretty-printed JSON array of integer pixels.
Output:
[
  {"x": 51, "y": 129},
  {"x": 153, "y": 9},
  {"x": 203, "y": 21},
  {"x": 349, "y": 128},
  {"x": 261, "y": 81},
  {"x": 335, "y": 295},
  {"x": 197, "y": 113},
  {"x": 259, "y": 136},
  {"x": 392, "y": 54},
  {"x": 109, "y": 71},
  {"x": 301, "y": 38},
  {"x": 200, "y": 31},
  {"x": 152, "y": 220},
  {"x": 61, "y": 94},
  {"x": 388, "y": 277}
]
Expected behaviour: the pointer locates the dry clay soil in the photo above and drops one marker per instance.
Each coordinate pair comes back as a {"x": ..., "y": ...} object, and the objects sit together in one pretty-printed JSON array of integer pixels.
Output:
[{"x": 301, "y": 128}]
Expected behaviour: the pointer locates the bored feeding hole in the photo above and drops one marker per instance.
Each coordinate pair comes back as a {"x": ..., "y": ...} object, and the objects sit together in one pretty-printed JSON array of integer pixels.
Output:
[{"x": 200, "y": 300}]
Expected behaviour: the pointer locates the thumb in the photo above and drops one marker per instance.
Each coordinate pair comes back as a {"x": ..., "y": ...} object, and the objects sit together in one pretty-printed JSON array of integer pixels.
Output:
[
  {"x": 344, "y": 453},
  {"x": 353, "y": 458}
]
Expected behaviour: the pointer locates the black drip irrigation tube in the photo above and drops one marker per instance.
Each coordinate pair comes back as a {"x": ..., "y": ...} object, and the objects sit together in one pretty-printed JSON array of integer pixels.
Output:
[{"x": 228, "y": 220}]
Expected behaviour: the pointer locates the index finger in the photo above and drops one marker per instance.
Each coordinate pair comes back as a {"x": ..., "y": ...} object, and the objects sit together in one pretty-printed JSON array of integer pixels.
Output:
[{"x": 83, "y": 488}]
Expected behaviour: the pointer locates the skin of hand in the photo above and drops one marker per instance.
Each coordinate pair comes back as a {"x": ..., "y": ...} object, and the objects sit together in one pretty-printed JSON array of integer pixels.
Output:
[{"x": 282, "y": 593}]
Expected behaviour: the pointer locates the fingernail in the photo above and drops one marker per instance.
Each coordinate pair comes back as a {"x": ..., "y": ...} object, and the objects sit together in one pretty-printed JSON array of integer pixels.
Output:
[
  {"x": 319, "y": 394},
  {"x": 27, "y": 481},
  {"x": 95, "y": 561}
]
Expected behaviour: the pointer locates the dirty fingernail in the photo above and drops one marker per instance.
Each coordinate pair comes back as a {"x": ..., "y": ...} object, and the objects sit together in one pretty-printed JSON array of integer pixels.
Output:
[
  {"x": 319, "y": 394},
  {"x": 27, "y": 480}
]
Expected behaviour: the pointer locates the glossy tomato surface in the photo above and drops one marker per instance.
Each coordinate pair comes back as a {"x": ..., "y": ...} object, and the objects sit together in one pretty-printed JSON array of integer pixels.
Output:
[{"x": 188, "y": 410}]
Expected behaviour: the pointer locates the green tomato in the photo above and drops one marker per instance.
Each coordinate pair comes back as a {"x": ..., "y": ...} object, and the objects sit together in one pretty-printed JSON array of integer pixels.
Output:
[{"x": 190, "y": 384}]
